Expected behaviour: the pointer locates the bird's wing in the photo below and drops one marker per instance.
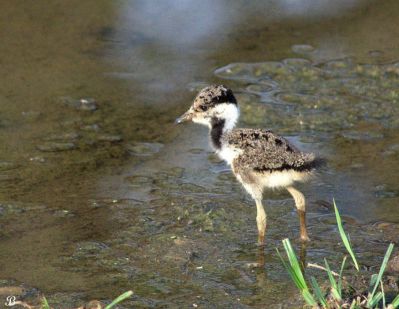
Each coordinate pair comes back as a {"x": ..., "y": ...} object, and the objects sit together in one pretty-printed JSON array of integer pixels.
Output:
[{"x": 262, "y": 150}]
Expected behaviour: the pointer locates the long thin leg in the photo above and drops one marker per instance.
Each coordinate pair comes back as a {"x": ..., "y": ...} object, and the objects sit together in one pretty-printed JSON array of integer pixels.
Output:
[
  {"x": 261, "y": 219},
  {"x": 300, "y": 206}
]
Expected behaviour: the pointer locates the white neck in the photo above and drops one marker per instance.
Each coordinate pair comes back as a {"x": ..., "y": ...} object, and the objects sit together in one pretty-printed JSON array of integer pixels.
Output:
[{"x": 230, "y": 113}]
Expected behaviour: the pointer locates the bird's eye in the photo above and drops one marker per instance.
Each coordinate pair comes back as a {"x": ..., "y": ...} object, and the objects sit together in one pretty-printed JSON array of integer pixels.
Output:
[{"x": 204, "y": 108}]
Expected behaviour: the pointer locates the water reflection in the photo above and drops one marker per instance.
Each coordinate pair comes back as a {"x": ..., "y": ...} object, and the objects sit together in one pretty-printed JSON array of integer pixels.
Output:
[{"x": 164, "y": 46}]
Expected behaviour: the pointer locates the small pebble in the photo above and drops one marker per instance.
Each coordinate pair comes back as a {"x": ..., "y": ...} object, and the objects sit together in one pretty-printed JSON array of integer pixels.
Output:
[
  {"x": 302, "y": 48},
  {"x": 85, "y": 104},
  {"x": 91, "y": 127},
  {"x": 253, "y": 265},
  {"x": 144, "y": 149},
  {"x": 31, "y": 115},
  {"x": 37, "y": 159},
  {"x": 62, "y": 137},
  {"x": 109, "y": 138},
  {"x": 56, "y": 147},
  {"x": 6, "y": 166},
  {"x": 88, "y": 104},
  {"x": 376, "y": 53},
  {"x": 62, "y": 213}
]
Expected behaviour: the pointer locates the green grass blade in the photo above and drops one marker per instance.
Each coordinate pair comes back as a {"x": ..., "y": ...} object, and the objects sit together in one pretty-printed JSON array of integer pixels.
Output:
[
  {"x": 319, "y": 294},
  {"x": 294, "y": 261},
  {"x": 395, "y": 302},
  {"x": 119, "y": 299},
  {"x": 340, "y": 276},
  {"x": 330, "y": 275},
  {"x": 381, "y": 272},
  {"x": 372, "y": 303},
  {"x": 344, "y": 237},
  {"x": 45, "y": 304},
  {"x": 305, "y": 292},
  {"x": 335, "y": 294},
  {"x": 309, "y": 298},
  {"x": 383, "y": 295},
  {"x": 334, "y": 286},
  {"x": 294, "y": 269},
  {"x": 373, "y": 280},
  {"x": 291, "y": 272}
]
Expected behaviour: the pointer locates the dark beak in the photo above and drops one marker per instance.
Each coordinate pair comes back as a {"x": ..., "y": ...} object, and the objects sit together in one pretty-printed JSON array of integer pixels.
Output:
[{"x": 185, "y": 117}]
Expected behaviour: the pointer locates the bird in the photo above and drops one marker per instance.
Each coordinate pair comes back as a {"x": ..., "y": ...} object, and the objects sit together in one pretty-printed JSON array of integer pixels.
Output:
[{"x": 259, "y": 158}]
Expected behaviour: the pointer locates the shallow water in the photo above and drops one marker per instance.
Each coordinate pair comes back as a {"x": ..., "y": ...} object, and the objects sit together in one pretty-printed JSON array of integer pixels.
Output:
[{"x": 101, "y": 193}]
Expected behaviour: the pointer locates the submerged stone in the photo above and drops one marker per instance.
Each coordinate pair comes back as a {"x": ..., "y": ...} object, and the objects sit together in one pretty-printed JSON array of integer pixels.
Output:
[
  {"x": 63, "y": 213},
  {"x": 109, "y": 138},
  {"x": 376, "y": 53},
  {"x": 191, "y": 188},
  {"x": 297, "y": 62},
  {"x": 196, "y": 150},
  {"x": 6, "y": 166},
  {"x": 38, "y": 159},
  {"x": 302, "y": 48},
  {"x": 259, "y": 89},
  {"x": 365, "y": 136},
  {"x": 56, "y": 147},
  {"x": 391, "y": 150},
  {"x": 144, "y": 149},
  {"x": 12, "y": 208},
  {"x": 89, "y": 247},
  {"x": 238, "y": 71},
  {"x": 90, "y": 127},
  {"x": 31, "y": 115},
  {"x": 62, "y": 137},
  {"x": 381, "y": 191},
  {"x": 138, "y": 180},
  {"x": 85, "y": 104}
]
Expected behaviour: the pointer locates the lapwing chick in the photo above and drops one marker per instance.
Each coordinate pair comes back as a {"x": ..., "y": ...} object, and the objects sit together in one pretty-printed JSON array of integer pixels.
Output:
[{"x": 259, "y": 158}]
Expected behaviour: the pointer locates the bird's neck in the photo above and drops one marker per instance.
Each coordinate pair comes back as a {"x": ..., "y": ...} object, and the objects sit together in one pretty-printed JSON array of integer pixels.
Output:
[{"x": 219, "y": 127}]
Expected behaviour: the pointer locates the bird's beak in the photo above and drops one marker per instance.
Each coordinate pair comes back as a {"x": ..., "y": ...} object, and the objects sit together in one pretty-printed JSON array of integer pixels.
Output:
[{"x": 185, "y": 117}]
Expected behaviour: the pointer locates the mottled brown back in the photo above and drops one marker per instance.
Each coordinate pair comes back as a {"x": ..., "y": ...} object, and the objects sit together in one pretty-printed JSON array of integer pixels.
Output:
[{"x": 262, "y": 151}]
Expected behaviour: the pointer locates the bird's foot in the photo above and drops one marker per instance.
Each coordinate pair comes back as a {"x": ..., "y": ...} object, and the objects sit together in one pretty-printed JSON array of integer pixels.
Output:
[{"x": 304, "y": 238}]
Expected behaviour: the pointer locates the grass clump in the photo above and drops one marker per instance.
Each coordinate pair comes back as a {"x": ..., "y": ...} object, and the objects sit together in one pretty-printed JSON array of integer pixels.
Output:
[{"x": 333, "y": 297}]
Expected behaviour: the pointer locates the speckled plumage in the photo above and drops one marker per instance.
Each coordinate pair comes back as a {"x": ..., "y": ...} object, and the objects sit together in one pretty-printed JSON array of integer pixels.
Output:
[
  {"x": 259, "y": 158},
  {"x": 263, "y": 151},
  {"x": 211, "y": 96}
]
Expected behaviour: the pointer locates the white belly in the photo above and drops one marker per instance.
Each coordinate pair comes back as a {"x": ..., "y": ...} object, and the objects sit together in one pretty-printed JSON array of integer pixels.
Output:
[
  {"x": 283, "y": 179},
  {"x": 228, "y": 154}
]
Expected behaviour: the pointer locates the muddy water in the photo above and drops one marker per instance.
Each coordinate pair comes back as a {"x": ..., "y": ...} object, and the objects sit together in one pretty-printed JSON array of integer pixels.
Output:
[{"x": 100, "y": 192}]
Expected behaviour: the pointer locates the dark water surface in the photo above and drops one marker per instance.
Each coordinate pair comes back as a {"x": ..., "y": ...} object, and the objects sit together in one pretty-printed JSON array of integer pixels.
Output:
[{"x": 106, "y": 194}]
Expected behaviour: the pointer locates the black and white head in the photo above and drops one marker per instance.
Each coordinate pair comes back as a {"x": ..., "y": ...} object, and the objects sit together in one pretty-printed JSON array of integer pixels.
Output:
[{"x": 213, "y": 104}]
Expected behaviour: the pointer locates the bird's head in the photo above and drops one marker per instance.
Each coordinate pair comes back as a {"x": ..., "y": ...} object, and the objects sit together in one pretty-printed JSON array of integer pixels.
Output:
[{"x": 213, "y": 103}]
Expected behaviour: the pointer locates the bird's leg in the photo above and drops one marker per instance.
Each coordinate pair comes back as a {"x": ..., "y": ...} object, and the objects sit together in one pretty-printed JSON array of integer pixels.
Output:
[
  {"x": 302, "y": 256},
  {"x": 261, "y": 221},
  {"x": 300, "y": 206}
]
